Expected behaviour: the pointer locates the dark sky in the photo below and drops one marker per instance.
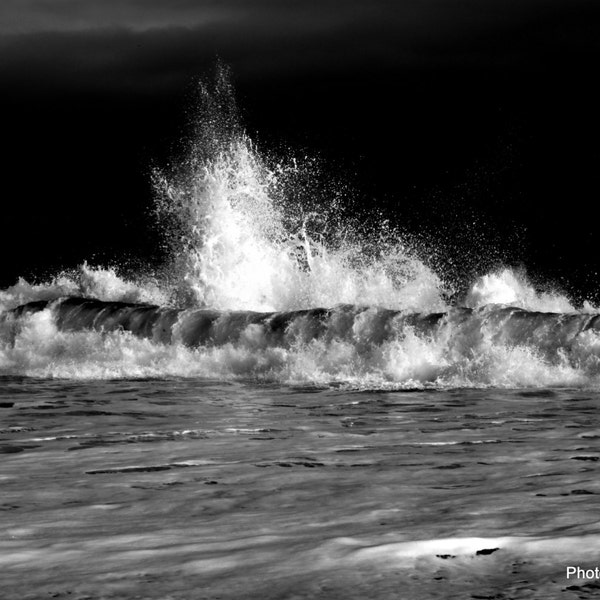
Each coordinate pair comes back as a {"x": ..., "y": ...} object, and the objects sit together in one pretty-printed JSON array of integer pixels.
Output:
[
  {"x": 472, "y": 123},
  {"x": 153, "y": 46}
]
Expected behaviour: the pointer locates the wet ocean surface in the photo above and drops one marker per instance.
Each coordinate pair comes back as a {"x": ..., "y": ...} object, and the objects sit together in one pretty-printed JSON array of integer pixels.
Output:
[{"x": 193, "y": 489}]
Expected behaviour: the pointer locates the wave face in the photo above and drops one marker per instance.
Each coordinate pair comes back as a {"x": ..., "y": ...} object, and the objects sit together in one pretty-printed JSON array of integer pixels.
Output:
[
  {"x": 267, "y": 278},
  {"x": 357, "y": 345}
]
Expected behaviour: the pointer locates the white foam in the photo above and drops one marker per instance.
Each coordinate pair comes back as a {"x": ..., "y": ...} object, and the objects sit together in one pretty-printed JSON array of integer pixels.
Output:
[
  {"x": 512, "y": 288},
  {"x": 347, "y": 551},
  {"x": 86, "y": 281},
  {"x": 459, "y": 359},
  {"x": 235, "y": 252}
]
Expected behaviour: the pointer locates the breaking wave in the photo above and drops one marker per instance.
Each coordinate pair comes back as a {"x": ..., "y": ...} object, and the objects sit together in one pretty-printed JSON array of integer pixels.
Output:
[
  {"x": 358, "y": 345},
  {"x": 263, "y": 280}
]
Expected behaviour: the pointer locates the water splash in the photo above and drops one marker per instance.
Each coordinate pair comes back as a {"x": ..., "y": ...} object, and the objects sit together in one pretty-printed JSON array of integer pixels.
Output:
[
  {"x": 512, "y": 287},
  {"x": 237, "y": 241},
  {"x": 246, "y": 232},
  {"x": 85, "y": 282}
]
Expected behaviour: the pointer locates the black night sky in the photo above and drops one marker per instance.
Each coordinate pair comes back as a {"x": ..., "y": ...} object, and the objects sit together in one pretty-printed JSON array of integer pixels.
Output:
[{"x": 473, "y": 123}]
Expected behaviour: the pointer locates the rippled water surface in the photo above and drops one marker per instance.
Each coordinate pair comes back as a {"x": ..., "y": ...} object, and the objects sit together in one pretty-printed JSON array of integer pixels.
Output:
[{"x": 192, "y": 489}]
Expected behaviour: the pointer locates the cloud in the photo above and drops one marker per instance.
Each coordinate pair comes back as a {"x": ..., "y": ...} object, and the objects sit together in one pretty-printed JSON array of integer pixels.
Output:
[
  {"x": 151, "y": 46},
  {"x": 33, "y": 16},
  {"x": 431, "y": 16}
]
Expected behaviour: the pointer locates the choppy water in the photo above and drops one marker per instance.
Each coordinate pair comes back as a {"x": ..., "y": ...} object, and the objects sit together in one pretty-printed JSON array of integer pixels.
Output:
[{"x": 204, "y": 489}]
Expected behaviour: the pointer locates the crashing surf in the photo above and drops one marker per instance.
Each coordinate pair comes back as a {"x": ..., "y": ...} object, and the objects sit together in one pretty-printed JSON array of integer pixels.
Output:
[{"x": 257, "y": 283}]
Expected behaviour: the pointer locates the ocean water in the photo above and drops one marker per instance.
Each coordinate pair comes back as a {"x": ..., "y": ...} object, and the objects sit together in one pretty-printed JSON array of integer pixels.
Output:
[
  {"x": 192, "y": 488},
  {"x": 293, "y": 405}
]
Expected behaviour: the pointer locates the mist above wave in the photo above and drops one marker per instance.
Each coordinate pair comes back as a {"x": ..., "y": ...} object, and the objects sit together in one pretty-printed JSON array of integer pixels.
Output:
[{"x": 237, "y": 241}]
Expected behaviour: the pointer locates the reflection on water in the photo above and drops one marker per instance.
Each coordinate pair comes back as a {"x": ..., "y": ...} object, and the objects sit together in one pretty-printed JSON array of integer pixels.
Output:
[{"x": 180, "y": 489}]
